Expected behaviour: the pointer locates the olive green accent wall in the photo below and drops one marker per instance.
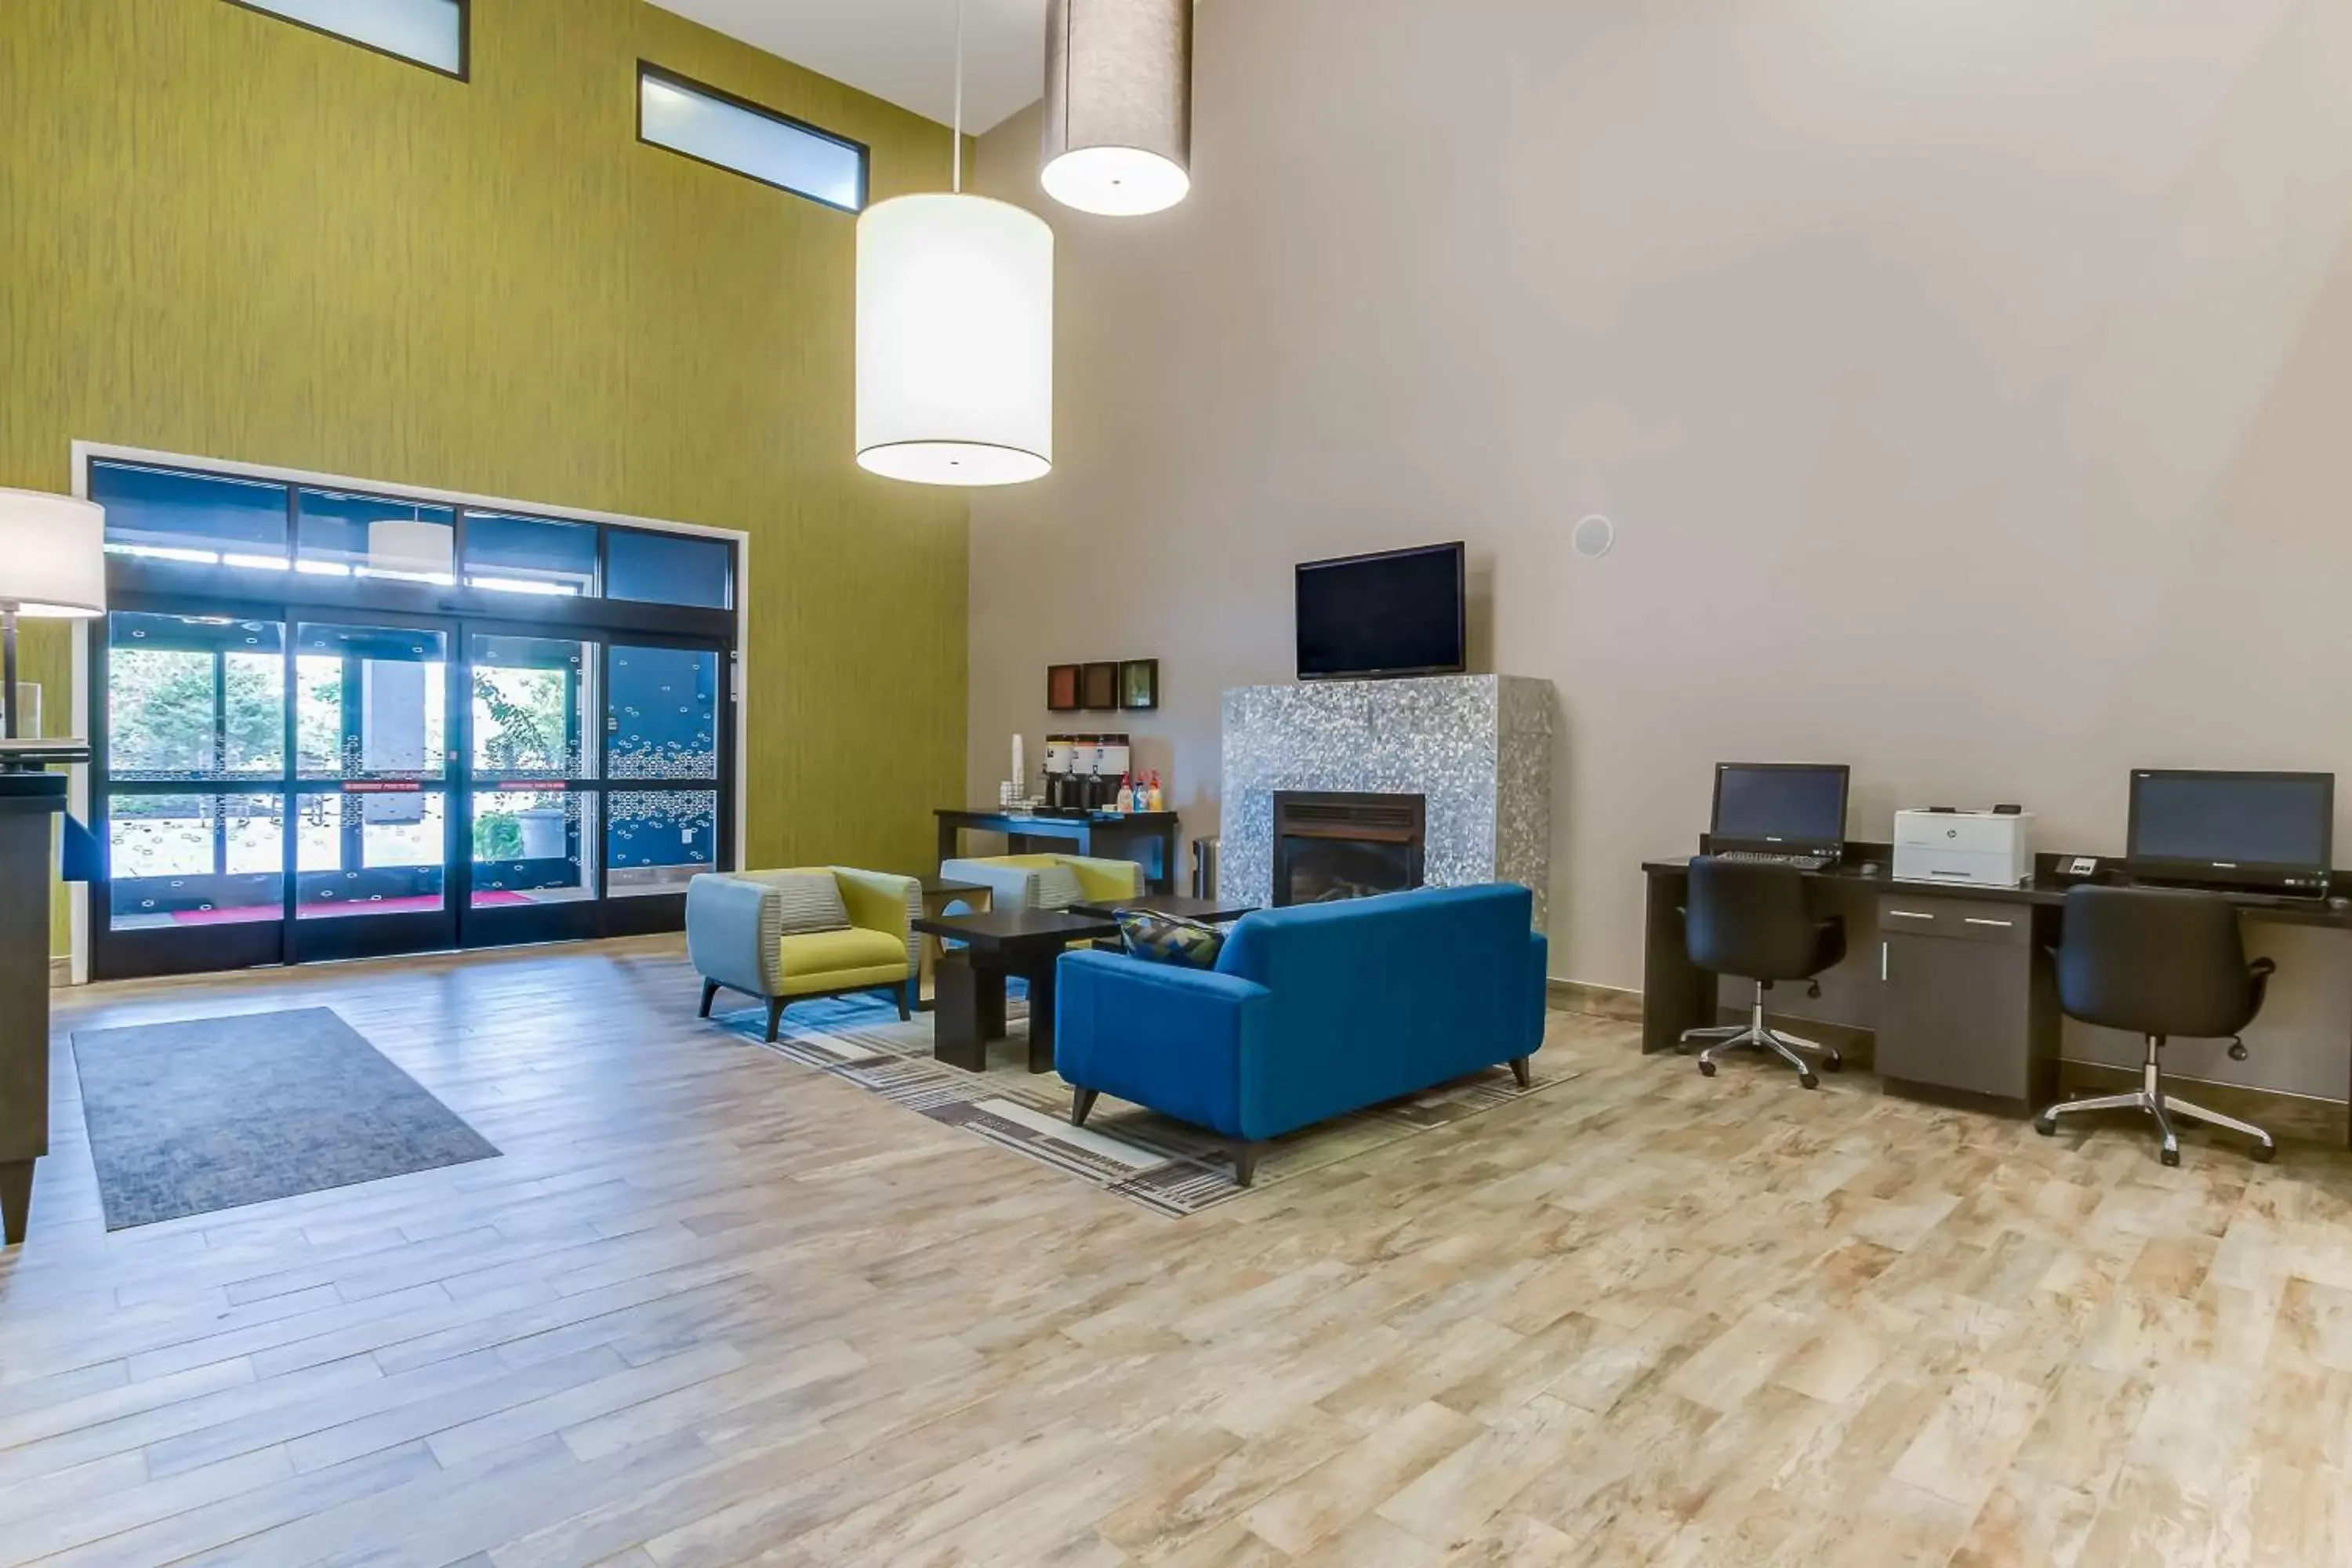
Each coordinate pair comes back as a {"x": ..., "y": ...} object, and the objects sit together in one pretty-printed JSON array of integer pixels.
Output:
[{"x": 225, "y": 235}]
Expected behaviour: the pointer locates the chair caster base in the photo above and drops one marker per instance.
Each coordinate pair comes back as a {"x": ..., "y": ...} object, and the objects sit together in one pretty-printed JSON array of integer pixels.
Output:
[
  {"x": 1809, "y": 1081},
  {"x": 1706, "y": 1070},
  {"x": 2165, "y": 1110},
  {"x": 1834, "y": 1063}
]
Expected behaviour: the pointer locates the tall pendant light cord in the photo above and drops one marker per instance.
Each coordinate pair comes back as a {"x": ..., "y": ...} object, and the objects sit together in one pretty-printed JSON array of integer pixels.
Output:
[{"x": 956, "y": 131}]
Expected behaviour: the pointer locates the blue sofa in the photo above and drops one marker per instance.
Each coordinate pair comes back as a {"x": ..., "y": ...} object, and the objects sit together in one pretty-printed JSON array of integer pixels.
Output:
[{"x": 1310, "y": 1012}]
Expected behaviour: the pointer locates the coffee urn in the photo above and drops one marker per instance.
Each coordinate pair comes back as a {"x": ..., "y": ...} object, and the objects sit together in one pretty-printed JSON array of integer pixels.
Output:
[{"x": 1057, "y": 772}]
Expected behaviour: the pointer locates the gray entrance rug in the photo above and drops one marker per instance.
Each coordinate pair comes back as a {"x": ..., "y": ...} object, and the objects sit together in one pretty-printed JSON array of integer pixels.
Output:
[
  {"x": 1148, "y": 1158},
  {"x": 215, "y": 1113}
]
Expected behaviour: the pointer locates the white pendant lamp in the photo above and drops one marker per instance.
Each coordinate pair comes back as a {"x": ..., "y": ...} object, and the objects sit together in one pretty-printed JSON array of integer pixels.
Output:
[
  {"x": 955, "y": 334},
  {"x": 1119, "y": 104}
]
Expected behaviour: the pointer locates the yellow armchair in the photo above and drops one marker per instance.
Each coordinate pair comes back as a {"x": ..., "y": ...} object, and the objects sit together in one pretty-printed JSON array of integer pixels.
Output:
[{"x": 734, "y": 936}]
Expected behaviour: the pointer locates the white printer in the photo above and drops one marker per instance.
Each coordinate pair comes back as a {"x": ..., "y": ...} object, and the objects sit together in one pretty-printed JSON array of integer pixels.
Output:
[{"x": 1974, "y": 849}]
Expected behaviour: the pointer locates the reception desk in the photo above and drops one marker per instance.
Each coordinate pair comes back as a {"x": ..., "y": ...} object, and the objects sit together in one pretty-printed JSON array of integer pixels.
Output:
[{"x": 29, "y": 803}]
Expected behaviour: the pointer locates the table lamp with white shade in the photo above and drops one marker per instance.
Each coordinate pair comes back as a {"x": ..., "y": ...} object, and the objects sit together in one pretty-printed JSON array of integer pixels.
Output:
[{"x": 52, "y": 567}]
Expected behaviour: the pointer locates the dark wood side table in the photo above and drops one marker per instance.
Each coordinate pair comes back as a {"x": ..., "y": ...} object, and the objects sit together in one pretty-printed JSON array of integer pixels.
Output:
[
  {"x": 1002, "y": 942},
  {"x": 938, "y": 893},
  {"x": 1176, "y": 906}
]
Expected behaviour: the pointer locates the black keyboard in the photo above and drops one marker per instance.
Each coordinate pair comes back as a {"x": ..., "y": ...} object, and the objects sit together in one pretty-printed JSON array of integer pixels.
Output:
[{"x": 1770, "y": 858}]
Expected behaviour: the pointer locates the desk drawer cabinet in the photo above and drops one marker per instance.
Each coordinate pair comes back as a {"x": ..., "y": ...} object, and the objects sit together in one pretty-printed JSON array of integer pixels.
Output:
[
  {"x": 1968, "y": 1008},
  {"x": 1963, "y": 919}
]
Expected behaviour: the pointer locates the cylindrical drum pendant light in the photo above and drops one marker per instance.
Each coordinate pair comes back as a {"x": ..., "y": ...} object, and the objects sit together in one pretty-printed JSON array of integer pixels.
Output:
[
  {"x": 955, "y": 341},
  {"x": 1119, "y": 104}
]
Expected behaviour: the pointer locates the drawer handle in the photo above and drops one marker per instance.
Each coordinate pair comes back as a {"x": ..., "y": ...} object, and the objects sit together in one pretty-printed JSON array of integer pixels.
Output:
[
  {"x": 1909, "y": 915},
  {"x": 2003, "y": 924}
]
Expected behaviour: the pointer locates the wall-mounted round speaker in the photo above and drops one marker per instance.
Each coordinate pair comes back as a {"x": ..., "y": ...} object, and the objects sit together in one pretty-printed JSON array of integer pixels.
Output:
[{"x": 1592, "y": 537}]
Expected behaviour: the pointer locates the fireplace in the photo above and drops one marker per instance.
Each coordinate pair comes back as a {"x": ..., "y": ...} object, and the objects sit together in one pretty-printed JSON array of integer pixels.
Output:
[
  {"x": 1332, "y": 846},
  {"x": 1475, "y": 748}
]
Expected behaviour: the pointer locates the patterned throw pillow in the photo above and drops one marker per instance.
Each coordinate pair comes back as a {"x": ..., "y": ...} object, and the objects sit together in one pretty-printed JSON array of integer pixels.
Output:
[
  {"x": 1163, "y": 939},
  {"x": 1057, "y": 887},
  {"x": 811, "y": 903}
]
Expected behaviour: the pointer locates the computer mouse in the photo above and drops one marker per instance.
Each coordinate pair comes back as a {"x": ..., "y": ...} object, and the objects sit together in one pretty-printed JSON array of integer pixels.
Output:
[
  {"x": 2339, "y": 902},
  {"x": 1870, "y": 867}
]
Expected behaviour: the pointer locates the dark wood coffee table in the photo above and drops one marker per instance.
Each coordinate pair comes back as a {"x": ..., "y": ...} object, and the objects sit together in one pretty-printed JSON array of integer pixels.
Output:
[
  {"x": 971, "y": 983},
  {"x": 1177, "y": 906}
]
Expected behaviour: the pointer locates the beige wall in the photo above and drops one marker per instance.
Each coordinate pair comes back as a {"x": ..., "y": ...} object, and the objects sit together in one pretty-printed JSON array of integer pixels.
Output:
[{"x": 1971, "y": 384}]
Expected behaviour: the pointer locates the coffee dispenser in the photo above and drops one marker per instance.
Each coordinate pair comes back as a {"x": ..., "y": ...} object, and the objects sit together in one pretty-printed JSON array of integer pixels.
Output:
[
  {"x": 1086, "y": 764},
  {"x": 1082, "y": 771},
  {"x": 1057, "y": 771}
]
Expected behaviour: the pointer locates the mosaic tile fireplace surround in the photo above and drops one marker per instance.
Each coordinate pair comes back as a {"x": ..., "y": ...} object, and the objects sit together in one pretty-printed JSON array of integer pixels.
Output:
[{"x": 1475, "y": 749}]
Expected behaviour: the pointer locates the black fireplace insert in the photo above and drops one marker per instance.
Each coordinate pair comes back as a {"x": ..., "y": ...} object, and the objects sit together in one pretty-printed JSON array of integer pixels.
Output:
[{"x": 1331, "y": 846}]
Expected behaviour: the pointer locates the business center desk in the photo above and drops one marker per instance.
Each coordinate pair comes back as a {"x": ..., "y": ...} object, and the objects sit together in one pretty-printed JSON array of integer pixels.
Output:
[{"x": 1966, "y": 1008}]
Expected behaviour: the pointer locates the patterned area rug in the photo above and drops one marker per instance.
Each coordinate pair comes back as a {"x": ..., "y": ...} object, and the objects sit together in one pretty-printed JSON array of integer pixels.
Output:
[{"x": 1168, "y": 1166}]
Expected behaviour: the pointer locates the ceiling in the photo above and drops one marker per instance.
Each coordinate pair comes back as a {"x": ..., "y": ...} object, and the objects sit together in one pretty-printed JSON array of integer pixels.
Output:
[{"x": 902, "y": 50}]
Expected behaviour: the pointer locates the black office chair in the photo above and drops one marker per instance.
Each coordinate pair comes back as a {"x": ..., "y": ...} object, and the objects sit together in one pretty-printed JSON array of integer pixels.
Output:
[
  {"x": 2157, "y": 962},
  {"x": 1751, "y": 919}
]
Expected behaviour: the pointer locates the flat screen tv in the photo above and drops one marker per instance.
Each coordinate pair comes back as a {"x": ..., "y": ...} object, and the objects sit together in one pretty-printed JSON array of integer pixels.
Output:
[{"x": 1397, "y": 613}]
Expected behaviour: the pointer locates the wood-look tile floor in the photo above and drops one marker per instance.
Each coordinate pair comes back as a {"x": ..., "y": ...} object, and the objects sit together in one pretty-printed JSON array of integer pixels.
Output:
[{"x": 711, "y": 1307}]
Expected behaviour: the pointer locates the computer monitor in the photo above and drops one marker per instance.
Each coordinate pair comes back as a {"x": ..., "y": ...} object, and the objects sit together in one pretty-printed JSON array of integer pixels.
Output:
[
  {"x": 1794, "y": 808},
  {"x": 2271, "y": 832}
]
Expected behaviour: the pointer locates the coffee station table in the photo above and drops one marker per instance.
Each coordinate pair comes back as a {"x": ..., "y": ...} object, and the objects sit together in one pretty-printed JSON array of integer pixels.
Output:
[
  {"x": 970, "y": 984},
  {"x": 1146, "y": 837}
]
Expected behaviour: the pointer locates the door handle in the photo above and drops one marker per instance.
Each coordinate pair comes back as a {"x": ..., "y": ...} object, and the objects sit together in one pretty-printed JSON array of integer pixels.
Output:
[
  {"x": 1910, "y": 915},
  {"x": 2002, "y": 924},
  {"x": 1882, "y": 961}
]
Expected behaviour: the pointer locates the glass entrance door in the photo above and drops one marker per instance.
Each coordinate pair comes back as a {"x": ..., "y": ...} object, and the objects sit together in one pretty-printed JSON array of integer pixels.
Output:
[
  {"x": 266, "y": 803},
  {"x": 371, "y": 801},
  {"x": 193, "y": 816},
  {"x": 593, "y": 785},
  {"x": 532, "y": 798}
]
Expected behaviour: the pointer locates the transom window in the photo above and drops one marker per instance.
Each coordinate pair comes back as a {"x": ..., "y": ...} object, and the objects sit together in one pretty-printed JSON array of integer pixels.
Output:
[
  {"x": 431, "y": 33},
  {"x": 178, "y": 515},
  {"x": 717, "y": 128}
]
